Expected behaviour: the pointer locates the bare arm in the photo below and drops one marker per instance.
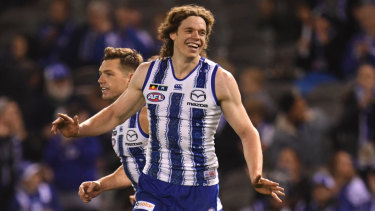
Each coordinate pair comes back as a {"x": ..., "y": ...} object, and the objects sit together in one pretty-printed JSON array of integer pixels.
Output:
[
  {"x": 230, "y": 99},
  {"x": 117, "y": 179},
  {"x": 91, "y": 189},
  {"x": 125, "y": 106}
]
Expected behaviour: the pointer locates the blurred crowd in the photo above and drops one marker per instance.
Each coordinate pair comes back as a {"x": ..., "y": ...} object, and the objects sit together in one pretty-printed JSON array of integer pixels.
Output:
[{"x": 308, "y": 86}]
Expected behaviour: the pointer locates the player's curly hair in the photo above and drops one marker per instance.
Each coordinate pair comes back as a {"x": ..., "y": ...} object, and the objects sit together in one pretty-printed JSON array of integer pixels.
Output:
[
  {"x": 173, "y": 20},
  {"x": 130, "y": 59}
]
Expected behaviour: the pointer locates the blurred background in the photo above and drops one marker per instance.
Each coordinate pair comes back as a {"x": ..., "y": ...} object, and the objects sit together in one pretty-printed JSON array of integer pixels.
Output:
[{"x": 305, "y": 69}]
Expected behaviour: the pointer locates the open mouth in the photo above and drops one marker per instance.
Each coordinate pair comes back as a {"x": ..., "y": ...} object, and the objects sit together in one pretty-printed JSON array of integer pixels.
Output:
[
  {"x": 193, "y": 45},
  {"x": 103, "y": 89}
]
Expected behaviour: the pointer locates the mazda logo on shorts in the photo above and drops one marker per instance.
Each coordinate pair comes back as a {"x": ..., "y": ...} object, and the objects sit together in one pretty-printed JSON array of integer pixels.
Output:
[{"x": 198, "y": 96}]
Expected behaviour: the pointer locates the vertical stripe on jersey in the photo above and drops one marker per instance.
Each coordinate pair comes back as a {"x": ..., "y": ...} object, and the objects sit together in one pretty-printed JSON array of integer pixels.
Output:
[
  {"x": 121, "y": 151},
  {"x": 197, "y": 133},
  {"x": 201, "y": 79},
  {"x": 155, "y": 147},
  {"x": 120, "y": 144},
  {"x": 174, "y": 137},
  {"x": 138, "y": 158},
  {"x": 127, "y": 170},
  {"x": 161, "y": 72},
  {"x": 213, "y": 77},
  {"x": 132, "y": 121},
  {"x": 135, "y": 152}
]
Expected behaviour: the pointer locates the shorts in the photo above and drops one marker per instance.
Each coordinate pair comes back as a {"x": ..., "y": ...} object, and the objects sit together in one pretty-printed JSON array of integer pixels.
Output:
[{"x": 156, "y": 195}]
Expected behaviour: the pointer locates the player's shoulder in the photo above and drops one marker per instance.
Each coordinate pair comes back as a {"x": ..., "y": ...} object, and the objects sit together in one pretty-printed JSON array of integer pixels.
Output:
[
  {"x": 224, "y": 84},
  {"x": 144, "y": 66},
  {"x": 140, "y": 75},
  {"x": 223, "y": 75},
  {"x": 142, "y": 70}
]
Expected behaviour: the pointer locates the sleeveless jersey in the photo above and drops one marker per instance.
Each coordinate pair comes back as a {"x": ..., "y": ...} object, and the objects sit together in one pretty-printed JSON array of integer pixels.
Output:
[
  {"x": 183, "y": 115},
  {"x": 129, "y": 142}
]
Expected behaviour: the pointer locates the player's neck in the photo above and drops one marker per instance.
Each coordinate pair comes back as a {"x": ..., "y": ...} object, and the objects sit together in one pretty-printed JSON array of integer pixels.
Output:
[{"x": 182, "y": 66}]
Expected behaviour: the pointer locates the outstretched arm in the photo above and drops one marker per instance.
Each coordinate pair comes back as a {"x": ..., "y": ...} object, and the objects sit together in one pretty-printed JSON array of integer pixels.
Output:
[
  {"x": 91, "y": 189},
  {"x": 230, "y": 99},
  {"x": 125, "y": 106}
]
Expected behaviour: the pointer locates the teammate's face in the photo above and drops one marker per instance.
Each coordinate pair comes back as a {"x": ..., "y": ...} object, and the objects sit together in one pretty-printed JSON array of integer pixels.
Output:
[
  {"x": 190, "y": 36},
  {"x": 113, "y": 82}
]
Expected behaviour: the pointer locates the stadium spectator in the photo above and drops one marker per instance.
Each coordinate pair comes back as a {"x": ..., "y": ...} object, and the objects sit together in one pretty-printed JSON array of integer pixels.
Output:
[
  {"x": 361, "y": 46},
  {"x": 302, "y": 128},
  {"x": 128, "y": 20},
  {"x": 354, "y": 132},
  {"x": 32, "y": 193},
  {"x": 88, "y": 40},
  {"x": 350, "y": 189},
  {"x": 55, "y": 32},
  {"x": 74, "y": 162}
]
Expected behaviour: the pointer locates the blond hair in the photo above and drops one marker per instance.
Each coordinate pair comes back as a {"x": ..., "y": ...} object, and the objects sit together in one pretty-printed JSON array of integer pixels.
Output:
[{"x": 130, "y": 59}]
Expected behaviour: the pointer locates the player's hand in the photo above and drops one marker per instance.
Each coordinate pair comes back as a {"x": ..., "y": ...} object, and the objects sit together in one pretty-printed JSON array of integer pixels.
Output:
[
  {"x": 89, "y": 190},
  {"x": 268, "y": 187},
  {"x": 132, "y": 199},
  {"x": 68, "y": 127}
]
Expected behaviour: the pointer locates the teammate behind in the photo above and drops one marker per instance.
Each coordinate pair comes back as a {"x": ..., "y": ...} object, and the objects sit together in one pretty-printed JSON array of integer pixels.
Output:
[{"x": 128, "y": 138}]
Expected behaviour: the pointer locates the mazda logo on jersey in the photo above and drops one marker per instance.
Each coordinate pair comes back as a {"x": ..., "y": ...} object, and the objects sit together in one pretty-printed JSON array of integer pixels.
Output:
[
  {"x": 155, "y": 97},
  {"x": 198, "y": 96},
  {"x": 131, "y": 135}
]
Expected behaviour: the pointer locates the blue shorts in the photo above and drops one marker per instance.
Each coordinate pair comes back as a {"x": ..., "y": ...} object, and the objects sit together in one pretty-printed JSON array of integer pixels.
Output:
[{"x": 156, "y": 195}]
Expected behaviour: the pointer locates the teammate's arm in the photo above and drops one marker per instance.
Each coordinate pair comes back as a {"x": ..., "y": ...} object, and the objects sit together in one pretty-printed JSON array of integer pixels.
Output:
[
  {"x": 91, "y": 189},
  {"x": 125, "y": 106},
  {"x": 230, "y": 100}
]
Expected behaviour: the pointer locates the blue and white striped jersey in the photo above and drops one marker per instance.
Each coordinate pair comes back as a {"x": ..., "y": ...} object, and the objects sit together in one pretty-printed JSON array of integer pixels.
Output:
[
  {"x": 183, "y": 115},
  {"x": 129, "y": 142}
]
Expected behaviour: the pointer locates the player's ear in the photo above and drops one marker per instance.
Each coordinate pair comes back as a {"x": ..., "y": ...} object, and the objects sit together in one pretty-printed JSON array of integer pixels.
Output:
[
  {"x": 172, "y": 36},
  {"x": 130, "y": 76}
]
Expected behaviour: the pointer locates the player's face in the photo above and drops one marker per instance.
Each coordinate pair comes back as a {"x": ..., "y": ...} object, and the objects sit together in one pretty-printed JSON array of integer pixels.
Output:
[
  {"x": 190, "y": 36},
  {"x": 113, "y": 82}
]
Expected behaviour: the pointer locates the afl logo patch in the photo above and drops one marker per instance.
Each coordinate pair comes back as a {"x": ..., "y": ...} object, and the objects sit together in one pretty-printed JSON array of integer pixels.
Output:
[
  {"x": 131, "y": 135},
  {"x": 155, "y": 97},
  {"x": 198, "y": 96}
]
